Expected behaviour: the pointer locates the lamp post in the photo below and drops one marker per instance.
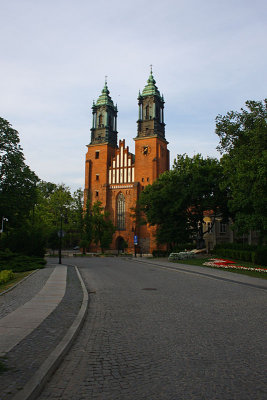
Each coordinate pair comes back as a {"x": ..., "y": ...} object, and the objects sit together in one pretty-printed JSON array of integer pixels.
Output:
[
  {"x": 60, "y": 239},
  {"x": 3, "y": 219}
]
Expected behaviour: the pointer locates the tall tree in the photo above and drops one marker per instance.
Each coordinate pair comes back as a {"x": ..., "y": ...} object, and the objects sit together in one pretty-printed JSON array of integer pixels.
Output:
[
  {"x": 202, "y": 178},
  {"x": 102, "y": 226},
  {"x": 243, "y": 143},
  {"x": 17, "y": 182},
  {"x": 164, "y": 206},
  {"x": 178, "y": 200}
]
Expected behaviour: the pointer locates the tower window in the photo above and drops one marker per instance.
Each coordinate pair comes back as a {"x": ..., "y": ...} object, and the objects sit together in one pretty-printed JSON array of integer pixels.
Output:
[
  {"x": 147, "y": 112},
  {"x": 97, "y": 154},
  {"x": 121, "y": 212},
  {"x": 100, "y": 120},
  {"x": 96, "y": 193},
  {"x": 97, "y": 177}
]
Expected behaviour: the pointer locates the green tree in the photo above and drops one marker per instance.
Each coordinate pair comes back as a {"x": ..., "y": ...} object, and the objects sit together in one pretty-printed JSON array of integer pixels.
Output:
[
  {"x": 18, "y": 193},
  {"x": 102, "y": 227},
  {"x": 243, "y": 143},
  {"x": 178, "y": 201},
  {"x": 164, "y": 206},
  {"x": 202, "y": 192}
]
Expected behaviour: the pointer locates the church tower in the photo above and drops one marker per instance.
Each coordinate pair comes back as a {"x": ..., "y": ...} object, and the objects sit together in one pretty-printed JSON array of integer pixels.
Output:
[
  {"x": 102, "y": 147},
  {"x": 104, "y": 121},
  {"x": 151, "y": 153}
]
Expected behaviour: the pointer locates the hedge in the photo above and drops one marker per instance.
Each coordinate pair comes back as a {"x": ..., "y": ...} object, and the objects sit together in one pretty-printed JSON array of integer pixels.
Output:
[
  {"x": 257, "y": 255},
  {"x": 19, "y": 263}
]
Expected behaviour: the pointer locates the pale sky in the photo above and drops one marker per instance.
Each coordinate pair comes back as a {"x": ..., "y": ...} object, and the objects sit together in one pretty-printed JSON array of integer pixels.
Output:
[{"x": 208, "y": 58}]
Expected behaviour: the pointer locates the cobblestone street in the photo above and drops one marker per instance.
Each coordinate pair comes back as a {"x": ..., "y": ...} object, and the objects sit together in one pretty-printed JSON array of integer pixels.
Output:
[{"x": 160, "y": 334}]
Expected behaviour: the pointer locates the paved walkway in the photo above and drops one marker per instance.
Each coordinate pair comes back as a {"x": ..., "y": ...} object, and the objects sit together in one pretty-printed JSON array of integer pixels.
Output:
[
  {"x": 40, "y": 318},
  {"x": 21, "y": 322}
]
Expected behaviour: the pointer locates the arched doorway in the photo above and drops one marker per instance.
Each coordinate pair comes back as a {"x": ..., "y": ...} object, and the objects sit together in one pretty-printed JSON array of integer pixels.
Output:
[{"x": 120, "y": 244}]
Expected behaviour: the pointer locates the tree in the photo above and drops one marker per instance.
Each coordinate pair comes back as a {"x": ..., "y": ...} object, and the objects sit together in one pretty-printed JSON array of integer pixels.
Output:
[
  {"x": 164, "y": 206},
  {"x": 178, "y": 201},
  {"x": 102, "y": 226},
  {"x": 18, "y": 193},
  {"x": 243, "y": 143},
  {"x": 202, "y": 179}
]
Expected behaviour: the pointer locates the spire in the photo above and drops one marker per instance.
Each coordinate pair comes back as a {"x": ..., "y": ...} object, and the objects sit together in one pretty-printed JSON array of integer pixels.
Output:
[
  {"x": 151, "y": 88},
  {"x": 105, "y": 99}
]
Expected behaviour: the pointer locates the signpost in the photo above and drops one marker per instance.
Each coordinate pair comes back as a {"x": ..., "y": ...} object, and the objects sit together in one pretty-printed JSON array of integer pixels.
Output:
[{"x": 135, "y": 244}]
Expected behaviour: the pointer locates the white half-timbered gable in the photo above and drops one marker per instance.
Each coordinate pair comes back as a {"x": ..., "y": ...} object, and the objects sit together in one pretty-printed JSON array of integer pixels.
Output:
[{"x": 122, "y": 166}]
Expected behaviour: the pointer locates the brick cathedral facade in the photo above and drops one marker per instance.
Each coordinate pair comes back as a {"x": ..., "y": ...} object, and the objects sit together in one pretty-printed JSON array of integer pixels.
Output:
[{"x": 116, "y": 177}]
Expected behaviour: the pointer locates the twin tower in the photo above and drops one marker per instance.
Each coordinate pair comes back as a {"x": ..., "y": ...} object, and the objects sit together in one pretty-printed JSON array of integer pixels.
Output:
[{"x": 115, "y": 176}]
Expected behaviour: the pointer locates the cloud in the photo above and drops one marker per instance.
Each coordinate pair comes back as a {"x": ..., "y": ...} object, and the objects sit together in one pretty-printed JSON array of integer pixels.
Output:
[{"x": 208, "y": 57}]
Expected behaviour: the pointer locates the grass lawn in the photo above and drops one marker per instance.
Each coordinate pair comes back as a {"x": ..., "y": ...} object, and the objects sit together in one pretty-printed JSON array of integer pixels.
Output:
[
  {"x": 200, "y": 261},
  {"x": 18, "y": 277}
]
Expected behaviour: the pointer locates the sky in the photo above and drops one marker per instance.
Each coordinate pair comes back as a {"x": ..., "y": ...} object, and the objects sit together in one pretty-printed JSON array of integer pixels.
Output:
[{"x": 208, "y": 58}]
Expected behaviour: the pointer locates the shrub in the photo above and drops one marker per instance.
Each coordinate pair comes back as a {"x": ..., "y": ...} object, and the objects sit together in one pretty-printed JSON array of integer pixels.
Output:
[
  {"x": 260, "y": 256},
  {"x": 160, "y": 253},
  {"x": 19, "y": 263},
  {"x": 6, "y": 276}
]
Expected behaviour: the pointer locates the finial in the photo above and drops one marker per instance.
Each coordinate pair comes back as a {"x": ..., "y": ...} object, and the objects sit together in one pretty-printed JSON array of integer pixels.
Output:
[
  {"x": 151, "y": 68},
  {"x": 106, "y": 77}
]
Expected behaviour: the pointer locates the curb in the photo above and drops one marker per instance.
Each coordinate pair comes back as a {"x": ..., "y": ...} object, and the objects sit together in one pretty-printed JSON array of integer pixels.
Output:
[{"x": 35, "y": 385}]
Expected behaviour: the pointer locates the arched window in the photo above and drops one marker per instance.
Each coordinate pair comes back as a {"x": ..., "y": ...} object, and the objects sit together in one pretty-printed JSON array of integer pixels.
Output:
[
  {"x": 100, "y": 118},
  {"x": 120, "y": 212},
  {"x": 147, "y": 112}
]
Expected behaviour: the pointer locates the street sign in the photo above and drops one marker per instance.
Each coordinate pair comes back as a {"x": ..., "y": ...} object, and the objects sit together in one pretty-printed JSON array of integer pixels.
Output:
[
  {"x": 135, "y": 240},
  {"x": 62, "y": 233}
]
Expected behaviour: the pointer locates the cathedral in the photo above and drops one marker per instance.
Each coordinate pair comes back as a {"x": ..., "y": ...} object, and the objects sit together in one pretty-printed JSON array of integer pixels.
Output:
[{"x": 116, "y": 177}]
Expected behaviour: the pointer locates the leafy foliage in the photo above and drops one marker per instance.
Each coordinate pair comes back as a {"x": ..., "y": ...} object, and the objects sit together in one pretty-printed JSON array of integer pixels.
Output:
[
  {"x": 178, "y": 201},
  {"x": 243, "y": 143},
  {"x": 17, "y": 181},
  {"x": 102, "y": 226}
]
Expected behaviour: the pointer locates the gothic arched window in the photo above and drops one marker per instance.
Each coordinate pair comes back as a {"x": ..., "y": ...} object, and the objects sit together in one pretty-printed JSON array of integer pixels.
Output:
[
  {"x": 100, "y": 118},
  {"x": 147, "y": 112},
  {"x": 120, "y": 212}
]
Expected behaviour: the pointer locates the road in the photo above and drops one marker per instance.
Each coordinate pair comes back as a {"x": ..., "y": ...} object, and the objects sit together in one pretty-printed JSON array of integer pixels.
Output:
[{"x": 159, "y": 334}]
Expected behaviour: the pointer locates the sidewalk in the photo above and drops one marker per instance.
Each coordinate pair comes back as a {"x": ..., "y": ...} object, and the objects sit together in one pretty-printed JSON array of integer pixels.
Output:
[
  {"x": 212, "y": 273},
  {"x": 37, "y": 333}
]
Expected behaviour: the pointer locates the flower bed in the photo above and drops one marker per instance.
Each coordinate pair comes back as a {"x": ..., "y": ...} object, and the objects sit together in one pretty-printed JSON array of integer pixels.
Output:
[{"x": 227, "y": 264}]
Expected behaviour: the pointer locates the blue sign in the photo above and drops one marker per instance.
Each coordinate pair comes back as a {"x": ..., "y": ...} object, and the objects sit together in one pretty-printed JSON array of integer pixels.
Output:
[{"x": 135, "y": 239}]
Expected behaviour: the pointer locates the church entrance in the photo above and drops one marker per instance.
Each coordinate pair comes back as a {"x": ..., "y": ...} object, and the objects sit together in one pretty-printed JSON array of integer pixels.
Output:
[{"x": 120, "y": 244}]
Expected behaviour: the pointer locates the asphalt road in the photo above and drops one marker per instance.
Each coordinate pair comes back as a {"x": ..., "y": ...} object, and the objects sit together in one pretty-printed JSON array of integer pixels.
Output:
[{"x": 160, "y": 334}]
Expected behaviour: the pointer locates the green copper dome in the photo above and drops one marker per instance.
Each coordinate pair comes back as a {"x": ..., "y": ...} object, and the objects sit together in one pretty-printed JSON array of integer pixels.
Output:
[
  {"x": 151, "y": 89},
  {"x": 104, "y": 99}
]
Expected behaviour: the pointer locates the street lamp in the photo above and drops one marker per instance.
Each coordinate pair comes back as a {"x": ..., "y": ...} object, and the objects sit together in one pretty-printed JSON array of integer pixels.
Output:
[{"x": 3, "y": 219}]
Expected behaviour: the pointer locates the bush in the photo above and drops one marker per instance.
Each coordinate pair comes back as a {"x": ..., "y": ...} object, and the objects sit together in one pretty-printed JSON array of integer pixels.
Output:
[
  {"x": 260, "y": 256},
  {"x": 19, "y": 263},
  {"x": 160, "y": 253},
  {"x": 6, "y": 276}
]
